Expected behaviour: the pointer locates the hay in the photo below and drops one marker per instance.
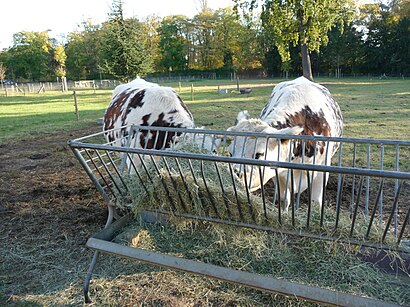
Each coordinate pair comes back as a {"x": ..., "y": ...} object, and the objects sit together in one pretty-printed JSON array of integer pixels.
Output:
[
  {"x": 160, "y": 186},
  {"x": 314, "y": 262}
]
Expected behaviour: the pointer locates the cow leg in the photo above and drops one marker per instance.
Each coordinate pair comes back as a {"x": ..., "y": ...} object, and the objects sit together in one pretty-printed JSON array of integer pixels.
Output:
[
  {"x": 317, "y": 187},
  {"x": 284, "y": 192}
]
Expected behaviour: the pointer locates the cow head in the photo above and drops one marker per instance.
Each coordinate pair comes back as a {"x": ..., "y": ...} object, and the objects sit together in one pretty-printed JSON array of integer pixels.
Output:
[
  {"x": 204, "y": 140},
  {"x": 264, "y": 148}
]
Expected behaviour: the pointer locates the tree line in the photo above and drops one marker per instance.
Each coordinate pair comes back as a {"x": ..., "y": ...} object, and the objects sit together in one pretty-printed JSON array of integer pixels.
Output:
[{"x": 269, "y": 38}]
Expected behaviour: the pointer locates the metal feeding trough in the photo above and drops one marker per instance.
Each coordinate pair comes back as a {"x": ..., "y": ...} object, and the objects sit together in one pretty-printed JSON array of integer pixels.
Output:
[{"x": 368, "y": 186}]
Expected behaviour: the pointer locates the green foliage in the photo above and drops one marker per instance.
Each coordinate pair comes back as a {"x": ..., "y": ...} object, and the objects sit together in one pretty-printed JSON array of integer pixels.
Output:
[
  {"x": 388, "y": 38},
  {"x": 172, "y": 44},
  {"x": 29, "y": 58},
  {"x": 82, "y": 52},
  {"x": 303, "y": 23},
  {"x": 270, "y": 36},
  {"x": 123, "y": 52},
  {"x": 2, "y": 71}
]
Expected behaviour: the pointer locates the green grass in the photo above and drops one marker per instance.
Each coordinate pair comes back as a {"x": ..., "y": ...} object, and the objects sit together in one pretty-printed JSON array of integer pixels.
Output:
[
  {"x": 371, "y": 108},
  {"x": 36, "y": 114}
]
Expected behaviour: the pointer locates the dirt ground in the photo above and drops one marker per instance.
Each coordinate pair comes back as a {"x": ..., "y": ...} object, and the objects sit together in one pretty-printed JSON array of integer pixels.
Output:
[{"x": 48, "y": 209}]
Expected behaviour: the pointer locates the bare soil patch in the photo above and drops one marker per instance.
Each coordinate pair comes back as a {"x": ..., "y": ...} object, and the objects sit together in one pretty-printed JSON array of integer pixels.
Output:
[{"x": 48, "y": 209}]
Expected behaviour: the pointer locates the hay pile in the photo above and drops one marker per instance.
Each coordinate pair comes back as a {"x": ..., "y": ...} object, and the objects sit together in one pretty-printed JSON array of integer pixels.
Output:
[
  {"x": 160, "y": 186},
  {"x": 312, "y": 262}
]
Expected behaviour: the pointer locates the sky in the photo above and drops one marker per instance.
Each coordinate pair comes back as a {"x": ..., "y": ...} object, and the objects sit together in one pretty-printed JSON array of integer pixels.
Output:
[{"x": 62, "y": 17}]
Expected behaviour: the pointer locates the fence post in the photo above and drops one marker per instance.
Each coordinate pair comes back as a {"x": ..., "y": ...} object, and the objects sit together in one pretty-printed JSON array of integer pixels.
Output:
[
  {"x": 179, "y": 84},
  {"x": 76, "y": 105},
  {"x": 94, "y": 86},
  {"x": 192, "y": 92}
]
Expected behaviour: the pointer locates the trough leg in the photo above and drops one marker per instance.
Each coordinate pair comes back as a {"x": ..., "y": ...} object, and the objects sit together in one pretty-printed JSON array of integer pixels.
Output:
[
  {"x": 87, "y": 298},
  {"x": 111, "y": 214}
]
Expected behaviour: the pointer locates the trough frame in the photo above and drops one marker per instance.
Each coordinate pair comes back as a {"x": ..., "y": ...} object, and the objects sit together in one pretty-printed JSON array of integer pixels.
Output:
[{"x": 100, "y": 242}]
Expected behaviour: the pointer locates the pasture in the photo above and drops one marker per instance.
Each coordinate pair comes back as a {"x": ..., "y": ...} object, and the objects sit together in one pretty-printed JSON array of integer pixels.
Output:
[{"x": 49, "y": 207}]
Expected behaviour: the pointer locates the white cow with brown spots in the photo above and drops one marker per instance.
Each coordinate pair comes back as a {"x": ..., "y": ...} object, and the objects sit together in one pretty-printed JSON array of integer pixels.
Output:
[
  {"x": 298, "y": 107},
  {"x": 147, "y": 104}
]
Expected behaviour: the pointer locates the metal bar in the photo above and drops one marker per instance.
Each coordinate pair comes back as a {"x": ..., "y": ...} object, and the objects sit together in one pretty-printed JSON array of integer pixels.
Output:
[
  {"x": 238, "y": 277},
  {"x": 248, "y": 196},
  {"x": 253, "y": 134},
  {"x": 301, "y": 174},
  {"x": 278, "y": 188},
  {"x": 97, "y": 169},
  {"x": 326, "y": 176},
  {"x": 339, "y": 198},
  {"x": 171, "y": 200},
  {"x": 366, "y": 210},
  {"x": 90, "y": 174},
  {"x": 292, "y": 197},
  {"x": 109, "y": 173},
  {"x": 356, "y": 205},
  {"x": 191, "y": 198},
  {"x": 396, "y": 186},
  {"x": 174, "y": 184},
  {"x": 270, "y": 163},
  {"x": 211, "y": 198},
  {"x": 228, "y": 210},
  {"x": 238, "y": 203},
  {"x": 309, "y": 200},
  {"x": 116, "y": 170},
  {"x": 285, "y": 200},
  {"x": 406, "y": 220},
  {"x": 381, "y": 195},
  {"x": 353, "y": 180},
  {"x": 263, "y": 194},
  {"x": 87, "y": 280},
  {"x": 396, "y": 199},
  {"x": 374, "y": 208},
  {"x": 144, "y": 166},
  {"x": 139, "y": 176}
]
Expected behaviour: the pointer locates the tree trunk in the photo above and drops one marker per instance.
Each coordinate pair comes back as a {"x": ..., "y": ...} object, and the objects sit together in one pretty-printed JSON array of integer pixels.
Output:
[{"x": 307, "y": 68}]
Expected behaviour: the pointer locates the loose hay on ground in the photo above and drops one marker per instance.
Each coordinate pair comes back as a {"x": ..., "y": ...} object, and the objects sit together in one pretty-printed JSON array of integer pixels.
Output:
[{"x": 314, "y": 262}]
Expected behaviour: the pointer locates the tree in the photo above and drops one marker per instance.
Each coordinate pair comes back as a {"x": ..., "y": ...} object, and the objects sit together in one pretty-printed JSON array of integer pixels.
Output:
[
  {"x": 30, "y": 57},
  {"x": 305, "y": 23},
  {"x": 59, "y": 58},
  {"x": 345, "y": 51},
  {"x": 123, "y": 52},
  {"x": 82, "y": 51},
  {"x": 2, "y": 73},
  {"x": 172, "y": 44}
]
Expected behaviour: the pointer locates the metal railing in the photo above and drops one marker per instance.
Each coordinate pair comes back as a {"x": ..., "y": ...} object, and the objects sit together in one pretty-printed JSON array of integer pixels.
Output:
[{"x": 365, "y": 197}]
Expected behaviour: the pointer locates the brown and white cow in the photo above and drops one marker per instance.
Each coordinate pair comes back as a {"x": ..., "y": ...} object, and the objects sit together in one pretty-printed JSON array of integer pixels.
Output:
[
  {"x": 147, "y": 104},
  {"x": 298, "y": 107}
]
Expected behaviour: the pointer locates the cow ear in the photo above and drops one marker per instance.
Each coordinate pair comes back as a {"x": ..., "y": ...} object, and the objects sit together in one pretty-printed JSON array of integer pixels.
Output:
[
  {"x": 233, "y": 128},
  {"x": 242, "y": 115},
  {"x": 296, "y": 130}
]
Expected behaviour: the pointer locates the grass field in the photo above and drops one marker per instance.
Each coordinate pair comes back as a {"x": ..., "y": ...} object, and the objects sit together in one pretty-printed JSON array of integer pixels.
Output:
[
  {"x": 371, "y": 108},
  {"x": 49, "y": 207}
]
